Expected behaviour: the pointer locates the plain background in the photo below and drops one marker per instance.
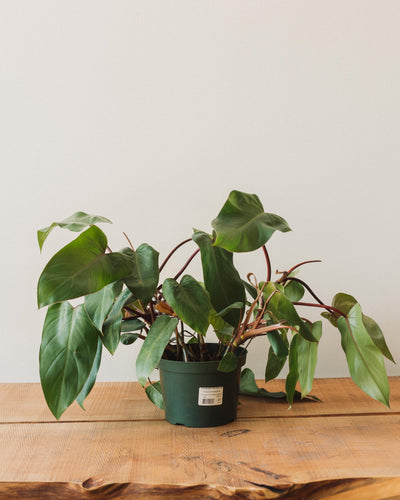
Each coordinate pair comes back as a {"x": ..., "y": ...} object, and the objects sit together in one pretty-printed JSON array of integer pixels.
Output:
[{"x": 149, "y": 113}]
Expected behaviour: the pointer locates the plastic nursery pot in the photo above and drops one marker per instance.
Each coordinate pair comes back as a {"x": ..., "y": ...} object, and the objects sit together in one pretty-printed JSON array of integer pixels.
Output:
[{"x": 196, "y": 394}]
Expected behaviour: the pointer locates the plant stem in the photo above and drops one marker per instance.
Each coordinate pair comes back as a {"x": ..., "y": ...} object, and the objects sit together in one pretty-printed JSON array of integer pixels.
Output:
[
  {"x": 172, "y": 253},
  {"x": 187, "y": 263},
  {"x": 323, "y": 306},
  {"x": 268, "y": 263},
  {"x": 285, "y": 274},
  {"x": 305, "y": 286},
  {"x": 129, "y": 241}
]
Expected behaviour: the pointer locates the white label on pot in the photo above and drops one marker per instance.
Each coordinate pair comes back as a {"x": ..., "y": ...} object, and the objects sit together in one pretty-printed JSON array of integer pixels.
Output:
[{"x": 210, "y": 396}]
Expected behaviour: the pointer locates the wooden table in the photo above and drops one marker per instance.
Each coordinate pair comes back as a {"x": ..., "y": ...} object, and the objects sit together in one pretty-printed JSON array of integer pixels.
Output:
[{"x": 346, "y": 447}]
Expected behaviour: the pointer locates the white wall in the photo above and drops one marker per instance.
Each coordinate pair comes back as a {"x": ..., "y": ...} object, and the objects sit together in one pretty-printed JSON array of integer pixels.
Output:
[{"x": 149, "y": 113}]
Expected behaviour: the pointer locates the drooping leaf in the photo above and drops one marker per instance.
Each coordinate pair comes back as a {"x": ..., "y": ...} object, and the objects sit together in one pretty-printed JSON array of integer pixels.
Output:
[
  {"x": 80, "y": 268},
  {"x": 228, "y": 363},
  {"x": 282, "y": 309},
  {"x": 278, "y": 343},
  {"x": 190, "y": 301},
  {"x": 294, "y": 291},
  {"x": 344, "y": 302},
  {"x": 235, "y": 305},
  {"x": 99, "y": 304},
  {"x": 243, "y": 226},
  {"x": 274, "y": 365},
  {"x": 252, "y": 290},
  {"x": 293, "y": 375},
  {"x": 92, "y": 376},
  {"x": 364, "y": 359},
  {"x": 307, "y": 359},
  {"x": 143, "y": 280},
  {"x": 221, "y": 278},
  {"x": 129, "y": 338},
  {"x": 154, "y": 346},
  {"x": 112, "y": 326},
  {"x": 154, "y": 393},
  {"x": 67, "y": 354},
  {"x": 76, "y": 222}
]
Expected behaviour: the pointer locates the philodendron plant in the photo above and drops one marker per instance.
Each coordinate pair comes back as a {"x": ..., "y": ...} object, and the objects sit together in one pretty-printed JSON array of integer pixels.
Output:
[{"x": 123, "y": 302}]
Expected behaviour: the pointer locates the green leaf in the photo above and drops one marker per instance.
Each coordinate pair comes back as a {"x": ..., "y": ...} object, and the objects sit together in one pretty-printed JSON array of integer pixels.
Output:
[
  {"x": 132, "y": 325},
  {"x": 190, "y": 302},
  {"x": 228, "y": 363},
  {"x": 307, "y": 359},
  {"x": 282, "y": 309},
  {"x": 129, "y": 338},
  {"x": 274, "y": 365},
  {"x": 77, "y": 222},
  {"x": 252, "y": 290},
  {"x": 67, "y": 354},
  {"x": 235, "y": 305},
  {"x": 99, "y": 304},
  {"x": 293, "y": 375},
  {"x": 364, "y": 359},
  {"x": 294, "y": 291},
  {"x": 242, "y": 225},
  {"x": 143, "y": 280},
  {"x": 154, "y": 393},
  {"x": 112, "y": 326},
  {"x": 278, "y": 343},
  {"x": 153, "y": 347},
  {"x": 344, "y": 302},
  {"x": 81, "y": 268},
  {"x": 92, "y": 376},
  {"x": 221, "y": 278},
  {"x": 249, "y": 387}
]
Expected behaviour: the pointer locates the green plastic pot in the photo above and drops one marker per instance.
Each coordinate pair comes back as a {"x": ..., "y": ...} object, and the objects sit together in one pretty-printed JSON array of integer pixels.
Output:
[{"x": 196, "y": 394}]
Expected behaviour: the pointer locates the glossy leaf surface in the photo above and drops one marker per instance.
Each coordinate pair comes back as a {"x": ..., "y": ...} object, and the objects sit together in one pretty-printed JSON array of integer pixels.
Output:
[
  {"x": 143, "y": 280},
  {"x": 92, "y": 376},
  {"x": 154, "y": 346},
  {"x": 190, "y": 301},
  {"x": 294, "y": 291},
  {"x": 274, "y": 365},
  {"x": 80, "y": 268},
  {"x": 99, "y": 304},
  {"x": 307, "y": 359},
  {"x": 221, "y": 278},
  {"x": 76, "y": 222},
  {"x": 228, "y": 363},
  {"x": 293, "y": 375},
  {"x": 111, "y": 330},
  {"x": 153, "y": 392},
  {"x": 243, "y": 226},
  {"x": 67, "y": 353},
  {"x": 364, "y": 359}
]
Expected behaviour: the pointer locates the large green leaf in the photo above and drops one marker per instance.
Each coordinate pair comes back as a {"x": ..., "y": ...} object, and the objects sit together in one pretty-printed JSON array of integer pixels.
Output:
[
  {"x": 282, "y": 309},
  {"x": 228, "y": 363},
  {"x": 274, "y": 365},
  {"x": 293, "y": 375},
  {"x": 307, "y": 359},
  {"x": 221, "y": 279},
  {"x": 143, "y": 280},
  {"x": 80, "y": 268},
  {"x": 344, "y": 302},
  {"x": 190, "y": 301},
  {"x": 278, "y": 343},
  {"x": 67, "y": 353},
  {"x": 364, "y": 359},
  {"x": 99, "y": 304},
  {"x": 153, "y": 346},
  {"x": 76, "y": 222},
  {"x": 243, "y": 226},
  {"x": 92, "y": 376},
  {"x": 111, "y": 328}
]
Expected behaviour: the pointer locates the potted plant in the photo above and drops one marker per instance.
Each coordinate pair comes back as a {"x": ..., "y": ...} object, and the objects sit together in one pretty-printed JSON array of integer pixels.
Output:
[{"x": 123, "y": 302}]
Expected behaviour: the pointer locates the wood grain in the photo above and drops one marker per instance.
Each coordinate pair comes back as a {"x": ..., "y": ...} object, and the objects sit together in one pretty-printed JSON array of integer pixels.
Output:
[
  {"x": 126, "y": 401},
  {"x": 345, "y": 448}
]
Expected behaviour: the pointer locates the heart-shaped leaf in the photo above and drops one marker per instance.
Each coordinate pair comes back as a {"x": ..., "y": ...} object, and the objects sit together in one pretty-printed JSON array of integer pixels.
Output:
[
  {"x": 80, "y": 268},
  {"x": 67, "y": 354},
  {"x": 76, "y": 222},
  {"x": 143, "y": 280},
  {"x": 221, "y": 279},
  {"x": 274, "y": 365},
  {"x": 111, "y": 328},
  {"x": 154, "y": 393},
  {"x": 190, "y": 301},
  {"x": 243, "y": 226},
  {"x": 99, "y": 304},
  {"x": 364, "y": 359},
  {"x": 153, "y": 346}
]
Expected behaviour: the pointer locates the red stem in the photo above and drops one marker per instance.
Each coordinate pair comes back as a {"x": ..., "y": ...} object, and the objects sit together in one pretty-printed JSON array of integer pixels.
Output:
[
  {"x": 268, "y": 263},
  {"x": 172, "y": 252}
]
